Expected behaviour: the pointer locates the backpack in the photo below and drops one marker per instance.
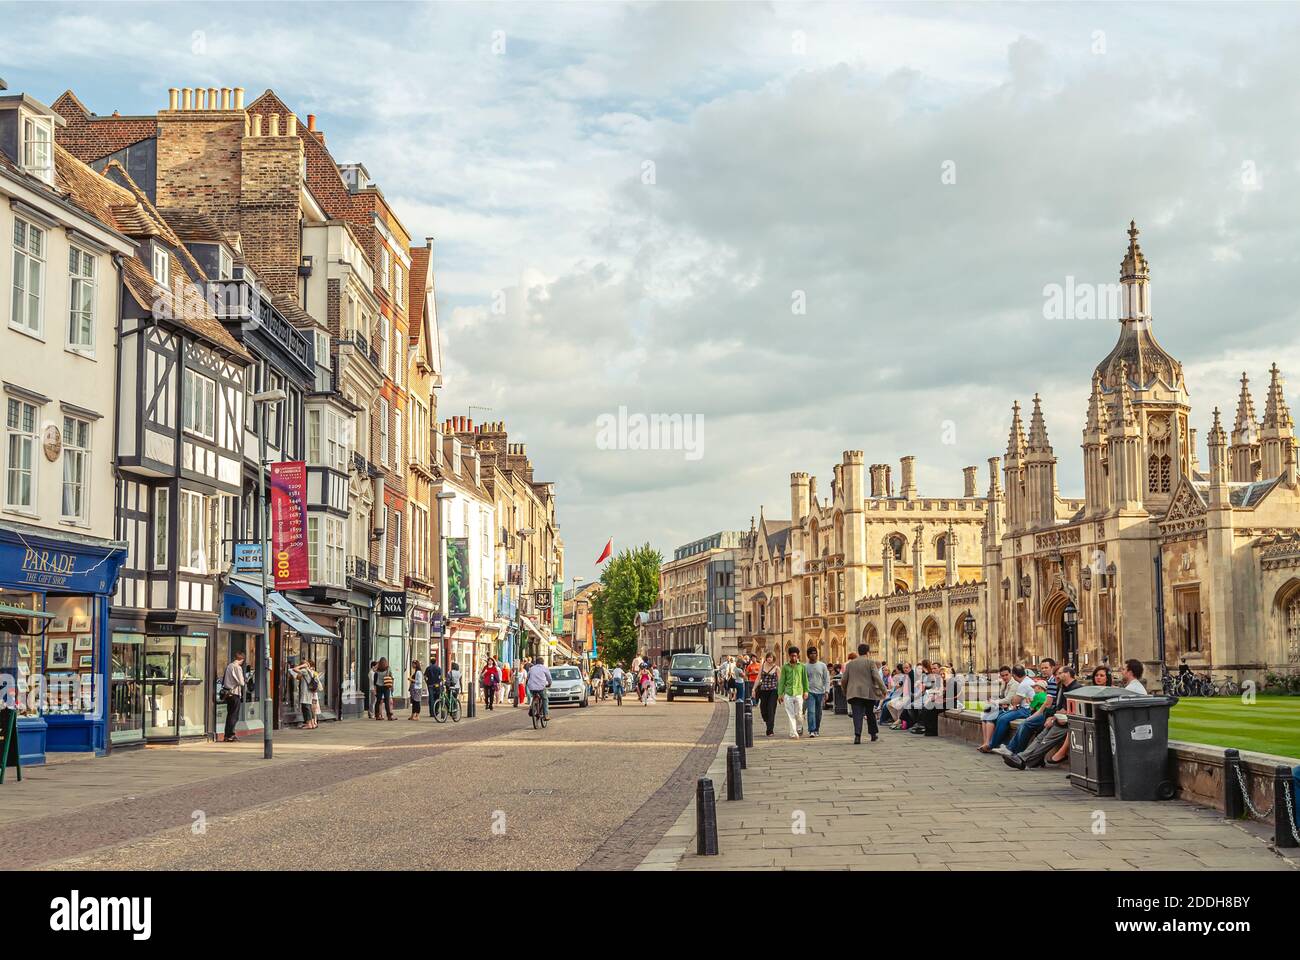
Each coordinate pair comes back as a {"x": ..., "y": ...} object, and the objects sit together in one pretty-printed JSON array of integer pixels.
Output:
[{"x": 312, "y": 683}]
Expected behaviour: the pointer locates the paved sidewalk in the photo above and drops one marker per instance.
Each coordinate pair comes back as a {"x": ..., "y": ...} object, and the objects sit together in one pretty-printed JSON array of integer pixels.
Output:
[
  {"x": 71, "y": 781},
  {"x": 923, "y": 803}
]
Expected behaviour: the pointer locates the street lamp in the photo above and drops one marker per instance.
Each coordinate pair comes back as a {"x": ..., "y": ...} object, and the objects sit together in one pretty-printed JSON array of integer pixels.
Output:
[
  {"x": 1071, "y": 617},
  {"x": 573, "y": 629},
  {"x": 261, "y": 400},
  {"x": 968, "y": 628}
]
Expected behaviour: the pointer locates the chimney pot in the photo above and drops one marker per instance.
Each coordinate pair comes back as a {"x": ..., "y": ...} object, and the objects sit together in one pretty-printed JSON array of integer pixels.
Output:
[
  {"x": 173, "y": 98},
  {"x": 239, "y": 98},
  {"x": 212, "y": 98},
  {"x": 187, "y": 99},
  {"x": 225, "y": 98},
  {"x": 200, "y": 98},
  {"x": 257, "y": 124},
  {"x": 291, "y": 125},
  {"x": 275, "y": 126},
  {"x": 311, "y": 122},
  {"x": 969, "y": 475}
]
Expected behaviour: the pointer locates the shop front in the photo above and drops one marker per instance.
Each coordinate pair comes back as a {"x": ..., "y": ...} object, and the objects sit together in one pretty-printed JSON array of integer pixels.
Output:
[
  {"x": 240, "y": 631},
  {"x": 391, "y": 641},
  {"x": 54, "y": 649},
  {"x": 355, "y": 655},
  {"x": 161, "y": 683},
  {"x": 418, "y": 629},
  {"x": 295, "y": 637}
]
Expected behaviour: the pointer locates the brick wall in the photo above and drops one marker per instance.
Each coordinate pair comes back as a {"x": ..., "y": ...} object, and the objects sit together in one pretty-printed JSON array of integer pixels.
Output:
[
  {"x": 199, "y": 162},
  {"x": 270, "y": 188}
]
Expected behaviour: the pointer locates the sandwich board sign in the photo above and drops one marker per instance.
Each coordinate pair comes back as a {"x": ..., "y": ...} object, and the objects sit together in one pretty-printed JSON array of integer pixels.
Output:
[{"x": 9, "y": 743}]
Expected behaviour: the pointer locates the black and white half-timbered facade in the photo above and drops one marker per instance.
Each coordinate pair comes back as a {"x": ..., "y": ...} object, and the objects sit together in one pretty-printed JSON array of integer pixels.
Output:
[{"x": 182, "y": 396}]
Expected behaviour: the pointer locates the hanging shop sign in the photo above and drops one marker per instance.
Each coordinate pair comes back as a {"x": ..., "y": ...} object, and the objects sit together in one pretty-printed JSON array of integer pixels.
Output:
[
  {"x": 392, "y": 603},
  {"x": 289, "y": 525},
  {"x": 248, "y": 558}
]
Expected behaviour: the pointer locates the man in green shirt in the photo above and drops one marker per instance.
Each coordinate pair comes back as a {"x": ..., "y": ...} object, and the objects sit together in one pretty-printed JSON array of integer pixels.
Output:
[{"x": 792, "y": 689}]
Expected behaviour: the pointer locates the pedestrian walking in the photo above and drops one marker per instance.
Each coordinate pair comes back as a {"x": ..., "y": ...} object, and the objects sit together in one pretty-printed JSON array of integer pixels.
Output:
[
  {"x": 383, "y": 681},
  {"x": 865, "y": 687},
  {"x": 415, "y": 688},
  {"x": 505, "y": 681},
  {"x": 769, "y": 676},
  {"x": 373, "y": 699},
  {"x": 792, "y": 689},
  {"x": 490, "y": 678},
  {"x": 232, "y": 692},
  {"x": 819, "y": 685},
  {"x": 752, "y": 669}
]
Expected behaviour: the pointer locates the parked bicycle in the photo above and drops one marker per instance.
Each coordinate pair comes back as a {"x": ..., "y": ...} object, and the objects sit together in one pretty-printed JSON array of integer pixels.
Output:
[{"x": 447, "y": 705}]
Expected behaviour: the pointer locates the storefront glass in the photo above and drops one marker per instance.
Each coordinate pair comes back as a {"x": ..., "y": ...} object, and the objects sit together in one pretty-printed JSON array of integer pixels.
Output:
[
  {"x": 236, "y": 641},
  {"x": 160, "y": 686},
  {"x": 192, "y": 682},
  {"x": 126, "y": 698}
]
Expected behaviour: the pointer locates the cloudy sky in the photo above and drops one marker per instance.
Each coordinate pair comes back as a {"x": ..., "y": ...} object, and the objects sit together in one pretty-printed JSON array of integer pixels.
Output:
[{"x": 818, "y": 227}]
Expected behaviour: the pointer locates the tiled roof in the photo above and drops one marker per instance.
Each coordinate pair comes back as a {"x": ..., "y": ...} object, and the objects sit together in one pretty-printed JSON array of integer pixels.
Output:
[
  {"x": 193, "y": 226},
  {"x": 416, "y": 283},
  {"x": 89, "y": 137},
  {"x": 115, "y": 200}
]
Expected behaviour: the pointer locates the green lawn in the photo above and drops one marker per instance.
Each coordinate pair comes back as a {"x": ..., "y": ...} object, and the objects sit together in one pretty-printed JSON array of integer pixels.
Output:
[{"x": 1269, "y": 725}]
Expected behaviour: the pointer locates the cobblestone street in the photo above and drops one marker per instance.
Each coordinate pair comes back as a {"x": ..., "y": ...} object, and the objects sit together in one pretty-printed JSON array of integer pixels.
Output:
[
  {"x": 485, "y": 793},
  {"x": 910, "y": 802}
]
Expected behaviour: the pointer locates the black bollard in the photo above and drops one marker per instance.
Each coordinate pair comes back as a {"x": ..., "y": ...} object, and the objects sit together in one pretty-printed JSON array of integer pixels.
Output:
[
  {"x": 706, "y": 819},
  {"x": 734, "y": 789},
  {"x": 1282, "y": 810},
  {"x": 473, "y": 692},
  {"x": 740, "y": 724},
  {"x": 1234, "y": 807},
  {"x": 749, "y": 726}
]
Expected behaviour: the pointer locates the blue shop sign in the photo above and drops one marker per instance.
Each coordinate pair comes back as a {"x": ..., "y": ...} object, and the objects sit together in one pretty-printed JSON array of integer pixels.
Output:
[
  {"x": 248, "y": 558},
  {"x": 46, "y": 565},
  {"x": 238, "y": 610}
]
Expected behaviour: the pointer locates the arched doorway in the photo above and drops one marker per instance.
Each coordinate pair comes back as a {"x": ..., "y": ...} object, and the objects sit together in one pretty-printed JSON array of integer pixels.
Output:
[
  {"x": 1060, "y": 637},
  {"x": 1287, "y": 602}
]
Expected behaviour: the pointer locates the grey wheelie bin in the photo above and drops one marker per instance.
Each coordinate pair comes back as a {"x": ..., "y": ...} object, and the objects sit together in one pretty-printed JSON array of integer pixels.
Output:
[
  {"x": 1091, "y": 767},
  {"x": 1139, "y": 746}
]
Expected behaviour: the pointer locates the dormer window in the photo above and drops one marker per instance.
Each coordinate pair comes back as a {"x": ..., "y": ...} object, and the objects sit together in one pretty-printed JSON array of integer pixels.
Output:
[
  {"x": 38, "y": 147},
  {"x": 225, "y": 264},
  {"x": 162, "y": 268}
]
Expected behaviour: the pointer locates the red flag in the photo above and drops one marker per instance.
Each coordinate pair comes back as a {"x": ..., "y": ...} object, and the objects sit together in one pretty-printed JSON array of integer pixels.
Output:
[{"x": 604, "y": 554}]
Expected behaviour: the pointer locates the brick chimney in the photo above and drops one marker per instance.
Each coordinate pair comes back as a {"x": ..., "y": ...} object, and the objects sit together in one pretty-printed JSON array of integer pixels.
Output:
[
  {"x": 968, "y": 474},
  {"x": 908, "y": 465}
]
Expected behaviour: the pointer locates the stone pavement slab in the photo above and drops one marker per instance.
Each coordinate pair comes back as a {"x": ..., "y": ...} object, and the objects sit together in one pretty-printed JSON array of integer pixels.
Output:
[{"x": 925, "y": 803}]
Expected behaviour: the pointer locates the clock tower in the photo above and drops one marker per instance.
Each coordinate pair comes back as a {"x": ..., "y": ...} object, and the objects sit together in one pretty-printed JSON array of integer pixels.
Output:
[{"x": 1155, "y": 383}]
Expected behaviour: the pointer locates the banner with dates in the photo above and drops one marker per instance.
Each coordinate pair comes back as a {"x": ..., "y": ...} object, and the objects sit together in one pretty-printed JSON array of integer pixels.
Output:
[{"x": 289, "y": 525}]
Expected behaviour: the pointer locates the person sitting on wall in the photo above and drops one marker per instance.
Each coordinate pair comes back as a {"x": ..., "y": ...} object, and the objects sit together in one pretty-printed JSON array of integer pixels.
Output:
[
  {"x": 1047, "y": 746},
  {"x": 1017, "y": 710}
]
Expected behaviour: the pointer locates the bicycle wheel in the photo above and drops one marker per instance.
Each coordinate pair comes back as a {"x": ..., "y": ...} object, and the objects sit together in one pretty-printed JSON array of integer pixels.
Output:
[
  {"x": 535, "y": 713},
  {"x": 439, "y": 710},
  {"x": 453, "y": 709}
]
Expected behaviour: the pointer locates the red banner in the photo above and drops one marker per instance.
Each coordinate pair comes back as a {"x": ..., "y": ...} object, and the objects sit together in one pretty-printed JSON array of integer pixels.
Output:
[{"x": 289, "y": 525}]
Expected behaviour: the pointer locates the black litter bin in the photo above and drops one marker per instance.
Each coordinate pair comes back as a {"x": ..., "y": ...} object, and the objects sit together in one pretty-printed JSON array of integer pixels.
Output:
[
  {"x": 1139, "y": 745},
  {"x": 1091, "y": 767},
  {"x": 837, "y": 689}
]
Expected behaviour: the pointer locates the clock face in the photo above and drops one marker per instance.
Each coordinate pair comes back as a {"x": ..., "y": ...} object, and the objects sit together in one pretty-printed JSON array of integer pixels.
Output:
[{"x": 1158, "y": 428}]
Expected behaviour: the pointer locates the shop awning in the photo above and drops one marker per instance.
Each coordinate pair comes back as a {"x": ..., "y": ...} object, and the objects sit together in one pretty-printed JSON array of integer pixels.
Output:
[
  {"x": 532, "y": 627},
  {"x": 9, "y": 616},
  {"x": 283, "y": 610}
]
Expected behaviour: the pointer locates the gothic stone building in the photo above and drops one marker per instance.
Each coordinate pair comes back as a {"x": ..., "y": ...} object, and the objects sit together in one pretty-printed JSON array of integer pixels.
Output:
[{"x": 1208, "y": 559}]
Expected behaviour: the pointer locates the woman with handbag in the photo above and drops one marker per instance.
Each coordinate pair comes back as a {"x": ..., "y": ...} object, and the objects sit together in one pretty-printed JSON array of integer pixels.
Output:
[
  {"x": 489, "y": 680},
  {"x": 415, "y": 688},
  {"x": 765, "y": 690},
  {"x": 383, "y": 688}
]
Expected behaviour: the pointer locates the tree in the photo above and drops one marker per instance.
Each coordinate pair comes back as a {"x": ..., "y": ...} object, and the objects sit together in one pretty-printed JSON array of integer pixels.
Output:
[{"x": 630, "y": 584}]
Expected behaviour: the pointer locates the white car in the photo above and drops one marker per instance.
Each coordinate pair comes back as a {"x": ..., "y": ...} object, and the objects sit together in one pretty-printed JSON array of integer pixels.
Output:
[{"x": 568, "y": 685}]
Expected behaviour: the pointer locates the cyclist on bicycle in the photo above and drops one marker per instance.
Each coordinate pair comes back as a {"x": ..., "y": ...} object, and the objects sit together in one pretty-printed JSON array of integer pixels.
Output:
[
  {"x": 433, "y": 680},
  {"x": 539, "y": 678},
  {"x": 616, "y": 681},
  {"x": 598, "y": 680}
]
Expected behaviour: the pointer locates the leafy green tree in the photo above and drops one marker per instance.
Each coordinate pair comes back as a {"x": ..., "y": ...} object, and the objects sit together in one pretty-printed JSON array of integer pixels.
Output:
[{"x": 630, "y": 584}]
